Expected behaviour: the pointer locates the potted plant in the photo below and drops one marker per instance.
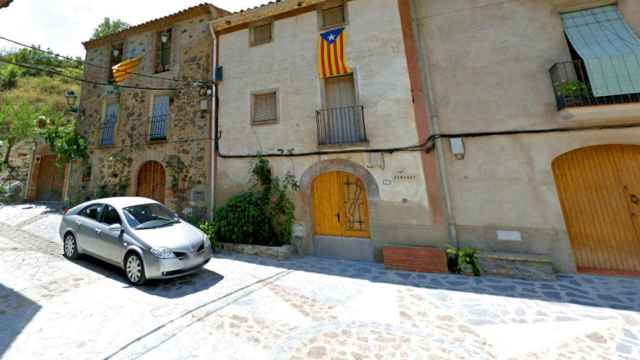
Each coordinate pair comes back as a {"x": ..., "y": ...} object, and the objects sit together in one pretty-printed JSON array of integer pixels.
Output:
[
  {"x": 464, "y": 261},
  {"x": 571, "y": 92}
]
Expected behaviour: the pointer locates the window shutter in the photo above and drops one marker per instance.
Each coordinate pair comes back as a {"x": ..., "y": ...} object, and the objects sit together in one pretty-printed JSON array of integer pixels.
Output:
[
  {"x": 333, "y": 16},
  {"x": 261, "y": 34},
  {"x": 265, "y": 107},
  {"x": 160, "y": 117}
]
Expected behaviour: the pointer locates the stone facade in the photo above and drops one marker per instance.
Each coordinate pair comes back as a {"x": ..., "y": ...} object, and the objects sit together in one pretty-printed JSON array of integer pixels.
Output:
[
  {"x": 186, "y": 153},
  {"x": 398, "y": 201},
  {"x": 525, "y": 267},
  {"x": 488, "y": 63}
]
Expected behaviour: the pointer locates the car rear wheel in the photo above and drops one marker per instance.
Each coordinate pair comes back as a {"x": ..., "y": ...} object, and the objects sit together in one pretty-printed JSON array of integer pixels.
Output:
[
  {"x": 134, "y": 269},
  {"x": 70, "y": 247}
]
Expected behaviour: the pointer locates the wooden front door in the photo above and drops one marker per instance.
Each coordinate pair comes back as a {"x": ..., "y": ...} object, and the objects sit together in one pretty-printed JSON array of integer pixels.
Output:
[
  {"x": 599, "y": 189},
  {"x": 151, "y": 181},
  {"x": 340, "y": 205},
  {"x": 50, "y": 179}
]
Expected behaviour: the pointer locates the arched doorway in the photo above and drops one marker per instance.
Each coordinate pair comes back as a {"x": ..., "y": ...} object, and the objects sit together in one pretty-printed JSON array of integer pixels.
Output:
[
  {"x": 151, "y": 181},
  {"x": 599, "y": 190},
  {"x": 341, "y": 217}
]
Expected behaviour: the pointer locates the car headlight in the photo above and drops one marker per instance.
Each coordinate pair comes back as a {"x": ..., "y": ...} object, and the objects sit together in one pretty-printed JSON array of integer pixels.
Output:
[{"x": 163, "y": 253}]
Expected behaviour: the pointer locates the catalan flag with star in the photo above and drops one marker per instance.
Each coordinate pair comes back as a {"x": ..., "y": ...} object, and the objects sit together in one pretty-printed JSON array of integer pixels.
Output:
[
  {"x": 122, "y": 70},
  {"x": 332, "y": 57}
]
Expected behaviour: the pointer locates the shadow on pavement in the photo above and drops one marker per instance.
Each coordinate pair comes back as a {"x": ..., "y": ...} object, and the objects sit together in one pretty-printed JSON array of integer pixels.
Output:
[
  {"x": 607, "y": 292},
  {"x": 16, "y": 311},
  {"x": 169, "y": 288}
]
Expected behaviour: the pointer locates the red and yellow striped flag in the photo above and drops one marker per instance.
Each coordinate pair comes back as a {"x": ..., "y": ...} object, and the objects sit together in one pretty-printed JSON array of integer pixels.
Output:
[
  {"x": 332, "y": 56},
  {"x": 122, "y": 71}
]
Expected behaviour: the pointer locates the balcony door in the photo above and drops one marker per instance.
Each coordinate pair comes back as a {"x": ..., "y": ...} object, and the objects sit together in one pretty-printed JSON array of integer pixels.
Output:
[{"x": 341, "y": 120}]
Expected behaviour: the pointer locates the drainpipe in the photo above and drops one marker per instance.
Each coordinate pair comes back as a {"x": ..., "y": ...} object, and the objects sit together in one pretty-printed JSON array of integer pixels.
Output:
[
  {"x": 435, "y": 123},
  {"x": 213, "y": 125}
]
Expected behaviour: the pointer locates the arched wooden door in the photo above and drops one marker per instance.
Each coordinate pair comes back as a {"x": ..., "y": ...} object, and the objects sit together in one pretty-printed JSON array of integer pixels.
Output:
[
  {"x": 340, "y": 205},
  {"x": 599, "y": 189},
  {"x": 151, "y": 181}
]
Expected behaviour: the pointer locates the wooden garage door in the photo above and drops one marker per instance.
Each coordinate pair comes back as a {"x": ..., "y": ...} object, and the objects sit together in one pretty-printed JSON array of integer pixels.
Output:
[
  {"x": 599, "y": 189},
  {"x": 151, "y": 181},
  {"x": 50, "y": 180},
  {"x": 340, "y": 205}
]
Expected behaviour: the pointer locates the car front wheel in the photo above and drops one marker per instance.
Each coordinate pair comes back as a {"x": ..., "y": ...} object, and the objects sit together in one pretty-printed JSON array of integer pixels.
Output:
[
  {"x": 134, "y": 269},
  {"x": 70, "y": 247}
]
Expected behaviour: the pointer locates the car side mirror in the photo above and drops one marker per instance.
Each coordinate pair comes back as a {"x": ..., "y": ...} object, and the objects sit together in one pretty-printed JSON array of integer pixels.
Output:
[{"x": 116, "y": 228}]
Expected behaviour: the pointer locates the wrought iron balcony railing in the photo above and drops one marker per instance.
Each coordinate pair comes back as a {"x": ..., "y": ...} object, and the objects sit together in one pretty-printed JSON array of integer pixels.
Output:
[
  {"x": 158, "y": 129},
  {"x": 572, "y": 88},
  {"x": 341, "y": 125},
  {"x": 108, "y": 134}
]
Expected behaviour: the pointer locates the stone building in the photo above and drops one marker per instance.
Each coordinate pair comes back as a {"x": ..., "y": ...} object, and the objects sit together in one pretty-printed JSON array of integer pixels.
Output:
[
  {"x": 569, "y": 192},
  {"x": 151, "y": 135},
  {"x": 349, "y": 139}
]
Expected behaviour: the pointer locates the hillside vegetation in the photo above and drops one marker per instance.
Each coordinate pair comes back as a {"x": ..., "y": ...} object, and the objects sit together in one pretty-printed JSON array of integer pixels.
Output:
[{"x": 27, "y": 94}]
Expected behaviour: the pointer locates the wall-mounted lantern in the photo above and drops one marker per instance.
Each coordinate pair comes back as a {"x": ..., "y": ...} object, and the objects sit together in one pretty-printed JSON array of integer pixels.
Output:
[
  {"x": 164, "y": 37},
  {"x": 71, "y": 98}
]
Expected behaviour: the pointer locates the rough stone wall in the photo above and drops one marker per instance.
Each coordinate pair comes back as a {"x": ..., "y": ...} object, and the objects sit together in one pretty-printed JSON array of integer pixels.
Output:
[
  {"x": 185, "y": 153},
  {"x": 401, "y": 214},
  {"x": 20, "y": 160},
  {"x": 489, "y": 68}
]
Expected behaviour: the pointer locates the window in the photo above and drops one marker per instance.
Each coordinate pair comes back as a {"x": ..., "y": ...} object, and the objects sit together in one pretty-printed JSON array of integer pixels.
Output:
[
  {"x": 334, "y": 16},
  {"x": 117, "y": 53},
  {"x": 264, "y": 108},
  {"x": 261, "y": 34},
  {"x": 109, "y": 124},
  {"x": 110, "y": 216},
  {"x": 160, "y": 117},
  {"x": 92, "y": 212},
  {"x": 149, "y": 216},
  {"x": 163, "y": 51}
]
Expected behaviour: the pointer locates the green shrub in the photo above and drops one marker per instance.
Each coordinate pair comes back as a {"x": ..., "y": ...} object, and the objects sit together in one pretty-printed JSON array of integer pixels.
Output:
[
  {"x": 464, "y": 260},
  {"x": 263, "y": 215}
]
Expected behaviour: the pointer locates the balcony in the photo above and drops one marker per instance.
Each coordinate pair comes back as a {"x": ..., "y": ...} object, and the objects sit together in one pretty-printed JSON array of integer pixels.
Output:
[
  {"x": 341, "y": 125},
  {"x": 158, "y": 129},
  {"x": 575, "y": 99},
  {"x": 107, "y": 134}
]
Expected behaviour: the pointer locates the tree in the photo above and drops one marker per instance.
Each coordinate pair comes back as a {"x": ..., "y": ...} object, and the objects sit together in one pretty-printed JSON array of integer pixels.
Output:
[
  {"x": 108, "y": 27},
  {"x": 17, "y": 123}
]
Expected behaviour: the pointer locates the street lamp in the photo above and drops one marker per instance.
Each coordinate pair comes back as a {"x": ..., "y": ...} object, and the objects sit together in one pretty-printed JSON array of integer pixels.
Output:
[
  {"x": 164, "y": 37},
  {"x": 71, "y": 98}
]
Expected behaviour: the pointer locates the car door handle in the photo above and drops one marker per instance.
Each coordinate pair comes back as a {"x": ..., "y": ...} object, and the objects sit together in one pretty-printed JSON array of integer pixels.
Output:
[{"x": 98, "y": 231}]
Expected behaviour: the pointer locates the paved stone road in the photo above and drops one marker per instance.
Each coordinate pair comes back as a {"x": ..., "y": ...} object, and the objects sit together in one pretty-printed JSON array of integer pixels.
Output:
[{"x": 242, "y": 307}]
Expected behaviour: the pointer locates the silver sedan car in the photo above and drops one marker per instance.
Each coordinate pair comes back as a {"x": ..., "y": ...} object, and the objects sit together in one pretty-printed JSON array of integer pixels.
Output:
[{"x": 139, "y": 235}]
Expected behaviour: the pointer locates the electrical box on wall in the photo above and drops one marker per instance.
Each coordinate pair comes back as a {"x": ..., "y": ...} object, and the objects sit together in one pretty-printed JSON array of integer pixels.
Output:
[
  {"x": 457, "y": 148},
  {"x": 218, "y": 74}
]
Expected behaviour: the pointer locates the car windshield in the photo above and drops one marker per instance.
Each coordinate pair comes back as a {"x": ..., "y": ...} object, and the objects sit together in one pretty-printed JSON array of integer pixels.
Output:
[{"x": 149, "y": 216}]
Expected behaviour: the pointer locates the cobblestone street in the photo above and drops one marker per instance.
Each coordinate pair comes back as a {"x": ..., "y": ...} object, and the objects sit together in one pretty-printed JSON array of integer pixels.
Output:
[{"x": 243, "y": 307}]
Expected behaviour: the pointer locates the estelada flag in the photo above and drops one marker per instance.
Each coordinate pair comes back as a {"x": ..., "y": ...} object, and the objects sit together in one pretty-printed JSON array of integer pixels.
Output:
[
  {"x": 122, "y": 71},
  {"x": 332, "y": 55}
]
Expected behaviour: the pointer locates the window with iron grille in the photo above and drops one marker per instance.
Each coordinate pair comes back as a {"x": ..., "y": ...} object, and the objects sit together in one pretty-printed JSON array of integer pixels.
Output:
[
  {"x": 160, "y": 117},
  {"x": 261, "y": 34},
  {"x": 334, "y": 16},
  {"x": 163, "y": 51},
  {"x": 109, "y": 125},
  {"x": 265, "y": 108}
]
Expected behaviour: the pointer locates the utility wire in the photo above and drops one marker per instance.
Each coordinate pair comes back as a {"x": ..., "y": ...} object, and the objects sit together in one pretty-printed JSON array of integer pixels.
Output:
[
  {"x": 61, "y": 74},
  {"x": 35, "y": 48}
]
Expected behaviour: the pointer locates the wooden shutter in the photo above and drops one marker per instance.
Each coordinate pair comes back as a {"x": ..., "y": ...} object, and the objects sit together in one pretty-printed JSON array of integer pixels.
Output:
[
  {"x": 109, "y": 124},
  {"x": 340, "y": 91},
  {"x": 160, "y": 117},
  {"x": 333, "y": 16},
  {"x": 265, "y": 107},
  {"x": 261, "y": 34}
]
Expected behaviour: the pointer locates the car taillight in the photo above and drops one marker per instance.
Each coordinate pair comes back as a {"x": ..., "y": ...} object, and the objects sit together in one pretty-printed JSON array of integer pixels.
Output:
[{"x": 64, "y": 211}]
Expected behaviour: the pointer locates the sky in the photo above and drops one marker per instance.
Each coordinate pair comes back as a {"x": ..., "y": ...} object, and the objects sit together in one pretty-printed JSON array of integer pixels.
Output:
[{"x": 63, "y": 25}]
